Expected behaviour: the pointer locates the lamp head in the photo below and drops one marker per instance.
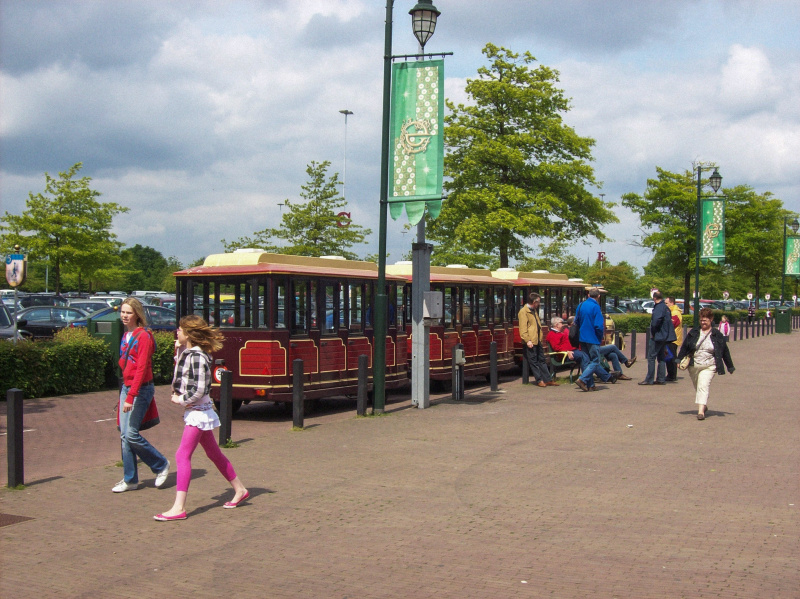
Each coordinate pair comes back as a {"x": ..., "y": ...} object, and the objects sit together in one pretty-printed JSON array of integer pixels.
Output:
[
  {"x": 715, "y": 180},
  {"x": 423, "y": 20},
  {"x": 795, "y": 226}
]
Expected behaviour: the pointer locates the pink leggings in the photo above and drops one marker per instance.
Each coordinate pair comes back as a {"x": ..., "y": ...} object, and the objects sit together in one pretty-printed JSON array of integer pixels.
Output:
[{"x": 191, "y": 437}]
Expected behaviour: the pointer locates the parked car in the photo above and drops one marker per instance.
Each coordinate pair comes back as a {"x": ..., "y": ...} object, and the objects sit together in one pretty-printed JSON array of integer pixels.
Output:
[
  {"x": 41, "y": 299},
  {"x": 46, "y": 321},
  {"x": 7, "y": 325},
  {"x": 88, "y": 306},
  {"x": 110, "y": 300},
  {"x": 158, "y": 318},
  {"x": 648, "y": 305},
  {"x": 611, "y": 309}
]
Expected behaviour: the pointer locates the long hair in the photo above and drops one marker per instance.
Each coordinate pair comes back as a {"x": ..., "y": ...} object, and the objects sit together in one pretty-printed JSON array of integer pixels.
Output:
[
  {"x": 137, "y": 308},
  {"x": 200, "y": 334}
]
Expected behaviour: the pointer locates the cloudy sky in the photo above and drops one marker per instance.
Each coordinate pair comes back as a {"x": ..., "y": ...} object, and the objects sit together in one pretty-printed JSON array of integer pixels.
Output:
[{"x": 201, "y": 116}]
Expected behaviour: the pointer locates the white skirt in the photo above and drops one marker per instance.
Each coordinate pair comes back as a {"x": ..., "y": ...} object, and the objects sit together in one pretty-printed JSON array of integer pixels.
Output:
[{"x": 202, "y": 415}]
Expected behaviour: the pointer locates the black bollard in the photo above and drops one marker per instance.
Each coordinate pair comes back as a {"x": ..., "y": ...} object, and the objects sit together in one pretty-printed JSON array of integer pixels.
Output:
[
  {"x": 16, "y": 464},
  {"x": 493, "y": 365},
  {"x": 633, "y": 344},
  {"x": 297, "y": 393},
  {"x": 458, "y": 372},
  {"x": 361, "y": 398},
  {"x": 225, "y": 406}
]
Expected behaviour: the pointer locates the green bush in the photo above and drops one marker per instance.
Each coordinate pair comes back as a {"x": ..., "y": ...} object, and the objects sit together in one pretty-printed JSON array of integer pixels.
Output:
[{"x": 73, "y": 362}]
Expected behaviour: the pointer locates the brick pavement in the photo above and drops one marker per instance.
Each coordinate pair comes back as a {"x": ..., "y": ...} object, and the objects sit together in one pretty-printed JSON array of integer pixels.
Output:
[{"x": 527, "y": 493}]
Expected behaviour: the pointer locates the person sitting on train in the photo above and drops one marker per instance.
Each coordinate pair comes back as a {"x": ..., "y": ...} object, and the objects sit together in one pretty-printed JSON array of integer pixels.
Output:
[{"x": 558, "y": 338}]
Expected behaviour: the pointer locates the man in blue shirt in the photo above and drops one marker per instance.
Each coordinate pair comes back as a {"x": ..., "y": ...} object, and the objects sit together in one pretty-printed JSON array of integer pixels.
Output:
[
  {"x": 662, "y": 332},
  {"x": 591, "y": 324}
]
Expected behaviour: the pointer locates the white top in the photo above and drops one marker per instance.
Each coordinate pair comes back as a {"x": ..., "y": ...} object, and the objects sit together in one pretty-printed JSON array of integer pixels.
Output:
[{"x": 704, "y": 352}]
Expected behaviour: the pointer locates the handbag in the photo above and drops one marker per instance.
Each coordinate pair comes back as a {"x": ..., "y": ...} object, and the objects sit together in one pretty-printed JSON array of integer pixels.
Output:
[{"x": 685, "y": 362}]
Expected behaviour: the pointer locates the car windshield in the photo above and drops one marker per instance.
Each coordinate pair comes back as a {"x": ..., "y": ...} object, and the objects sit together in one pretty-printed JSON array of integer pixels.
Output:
[{"x": 5, "y": 319}]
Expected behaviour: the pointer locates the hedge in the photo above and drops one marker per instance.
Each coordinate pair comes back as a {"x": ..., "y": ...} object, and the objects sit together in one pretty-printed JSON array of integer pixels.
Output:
[
  {"x": 625, "y": 323},
  {"x": 73, "y": 362}
]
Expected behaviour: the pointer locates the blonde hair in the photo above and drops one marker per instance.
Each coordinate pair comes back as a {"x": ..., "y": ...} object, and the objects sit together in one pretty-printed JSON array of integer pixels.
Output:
[
  {"x": 138, "y": 309},
  {"x": 200, "y": 334}
]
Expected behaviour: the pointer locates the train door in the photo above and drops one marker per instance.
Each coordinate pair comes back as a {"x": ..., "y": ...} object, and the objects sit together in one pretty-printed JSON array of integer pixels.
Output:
[{"x": 332, "y": 348}]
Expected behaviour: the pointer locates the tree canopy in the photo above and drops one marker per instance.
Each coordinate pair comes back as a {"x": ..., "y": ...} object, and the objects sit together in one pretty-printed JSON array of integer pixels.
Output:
[
  {"x": 65, "y": 227},
  {"x": 515, "y": 169},
  {"x": 313, "y": 228}
]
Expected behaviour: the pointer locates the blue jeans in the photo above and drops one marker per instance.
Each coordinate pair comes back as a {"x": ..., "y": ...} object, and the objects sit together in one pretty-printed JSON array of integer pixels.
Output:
[
  {"x": 611, "y": 352},
  {"x": 133, "y": 444},
  {"x": 584, "y": 360},
  {"x": 587, "y": 375},
  {"x": 656, "y": 352}
]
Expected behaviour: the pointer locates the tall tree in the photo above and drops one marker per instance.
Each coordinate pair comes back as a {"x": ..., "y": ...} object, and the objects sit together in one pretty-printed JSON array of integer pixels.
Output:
[
  {"x": 555, "y": 257},
  {"x": 313, "y": 228},
  {"x": 668, "y": 215},
  {"x": 66, "y": 227},
  {"x": 619, "y": 279},
  {"x": 754, "y": 244},
  {"x": 147, "y": 267},
  {"x": 516, "y": 169}
]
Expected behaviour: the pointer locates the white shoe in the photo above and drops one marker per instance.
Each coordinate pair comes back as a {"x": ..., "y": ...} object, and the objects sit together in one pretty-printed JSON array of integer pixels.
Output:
[
  {"x": 161, "y": 477},
  {"x": 122, "y": 486}
]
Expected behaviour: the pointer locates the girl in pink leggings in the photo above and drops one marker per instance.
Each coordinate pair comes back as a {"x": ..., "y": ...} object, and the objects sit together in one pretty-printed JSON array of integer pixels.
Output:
[{"x": 190, "y": 387}]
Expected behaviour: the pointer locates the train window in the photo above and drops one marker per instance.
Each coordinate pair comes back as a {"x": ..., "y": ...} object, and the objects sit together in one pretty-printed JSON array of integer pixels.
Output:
[
  {"x": 330, "y": 308},
  {"x": 344, "y": 313},
  {"x": 499, "y": 304},
  {"x": 355, "y": 305},
  {"x": 391, "y": 302},
  {"x": 299, "y": 307},
  {"x": 483, "y": 306},
  {"x": 260, "y": 303},
  {"x": 280, "y": 304},
  {"x": 400, "y": 303},
  {"x": 313, "y": 304},
  {"x": 369, "y": 304},
  {"x": 448, "y": 307},
  {"x": 467, "y": 305}
]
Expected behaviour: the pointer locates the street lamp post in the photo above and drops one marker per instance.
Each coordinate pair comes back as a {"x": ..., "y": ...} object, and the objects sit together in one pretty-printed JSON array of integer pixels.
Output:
[
  {"x": 423, "y": 19},
  {"x": 346, "y": 113},
  {"x": 715, "y": 180},
  {"x": 795, "y": 225}
]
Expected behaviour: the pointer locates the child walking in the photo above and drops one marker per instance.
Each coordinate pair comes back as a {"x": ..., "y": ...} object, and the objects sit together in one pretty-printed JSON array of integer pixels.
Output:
[{"x": 190, "y": 386}]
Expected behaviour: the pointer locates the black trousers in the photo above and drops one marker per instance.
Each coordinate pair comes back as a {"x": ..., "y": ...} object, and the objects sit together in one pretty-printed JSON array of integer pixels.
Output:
[
  {"x": 537, "y": 363},
  {"x": 672, "y": 365}
]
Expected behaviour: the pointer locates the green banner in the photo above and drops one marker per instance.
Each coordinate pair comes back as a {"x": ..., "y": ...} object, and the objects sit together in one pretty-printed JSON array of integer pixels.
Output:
[
  {"x": 417, "y": 144},
  {"x": 792, "y": 266},
  {"x": 713, "y": 240}
]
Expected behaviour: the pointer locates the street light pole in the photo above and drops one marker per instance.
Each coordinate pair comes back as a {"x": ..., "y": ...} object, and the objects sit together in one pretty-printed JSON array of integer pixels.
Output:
[
  {"x": 345, "y": 112},
  {"x": 715, "y": 180},
  {"x": 795, "y": 225}
]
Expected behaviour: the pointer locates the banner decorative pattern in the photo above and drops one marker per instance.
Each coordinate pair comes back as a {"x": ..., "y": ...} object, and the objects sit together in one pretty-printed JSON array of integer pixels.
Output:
[
  {"x": 417, "y": 144},
  {"x": 792, "y": 255},
  {"x": 713, "y": 240}
]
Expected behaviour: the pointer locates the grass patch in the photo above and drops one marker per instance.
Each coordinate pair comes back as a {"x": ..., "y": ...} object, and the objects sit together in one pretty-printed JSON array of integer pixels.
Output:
[
  {"x": 19, "y": 487},
  {"x": 230, "y": 444}
]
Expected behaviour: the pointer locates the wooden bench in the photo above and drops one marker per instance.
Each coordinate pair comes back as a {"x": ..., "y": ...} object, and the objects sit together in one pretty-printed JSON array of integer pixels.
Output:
[{"x": 558, "y": 361}]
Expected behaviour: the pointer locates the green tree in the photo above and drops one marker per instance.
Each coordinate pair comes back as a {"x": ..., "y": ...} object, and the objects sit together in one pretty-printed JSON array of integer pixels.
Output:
[
  {"x": 146, "y": 267},
  {"x": 754, "y": 238},
  {"x": 65, "y": 227},
  {"x": 311, "y": 228},
  {"x": 555, "y": 257},
  {"x": 668, "y": 215},
  {"x": 619, "y": 279},
  {"x": 516, "y": 169}
]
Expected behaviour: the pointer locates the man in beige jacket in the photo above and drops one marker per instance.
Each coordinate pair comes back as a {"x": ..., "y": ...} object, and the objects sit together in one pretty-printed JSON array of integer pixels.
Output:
[{"x": 530, "y": 331}]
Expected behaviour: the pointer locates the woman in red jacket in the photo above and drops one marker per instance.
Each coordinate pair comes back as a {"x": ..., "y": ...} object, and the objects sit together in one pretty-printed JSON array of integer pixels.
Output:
[{"x": 137, "y": 408}]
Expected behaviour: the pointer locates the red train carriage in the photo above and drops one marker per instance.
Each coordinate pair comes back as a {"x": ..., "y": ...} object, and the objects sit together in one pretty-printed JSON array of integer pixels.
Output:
[
  {"x": 560, "y": 296},
  {"x": 476, "y": 312},
  {"x": 274, "y": 308}
]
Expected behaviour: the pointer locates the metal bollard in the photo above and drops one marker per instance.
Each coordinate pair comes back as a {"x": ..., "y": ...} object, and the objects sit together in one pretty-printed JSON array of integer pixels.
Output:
[
  {"x": 297, "y": 393},
  {"x": 457, "y": 373},
  {"x": 633, "y": 344},
  {"x": 16, "y": 464},
  {"x": 225, "y": 406},
  {"x": 493, "y": 365},
  {"x": 361, "y": 398}
]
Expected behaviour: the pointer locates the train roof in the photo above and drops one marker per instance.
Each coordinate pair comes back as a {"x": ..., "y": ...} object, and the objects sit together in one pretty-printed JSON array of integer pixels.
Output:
[
  {"x": 260, "y": 262},
  {"x": 448, "y": 274},
  {"x": 538, "y": 278}
]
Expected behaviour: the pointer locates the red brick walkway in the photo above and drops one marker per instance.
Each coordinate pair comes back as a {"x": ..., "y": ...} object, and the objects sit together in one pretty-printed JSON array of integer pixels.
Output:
[{"x": 527, "y": 493}]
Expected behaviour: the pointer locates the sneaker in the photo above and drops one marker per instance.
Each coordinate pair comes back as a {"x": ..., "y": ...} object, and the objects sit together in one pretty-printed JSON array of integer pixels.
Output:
[
  {"x": 122, "y": 486},
  {"x": 161, "y": 477}
]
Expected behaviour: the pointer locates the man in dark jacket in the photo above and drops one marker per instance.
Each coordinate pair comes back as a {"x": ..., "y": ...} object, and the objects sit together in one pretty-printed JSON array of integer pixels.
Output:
[{"x": 662, "y": 332}]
